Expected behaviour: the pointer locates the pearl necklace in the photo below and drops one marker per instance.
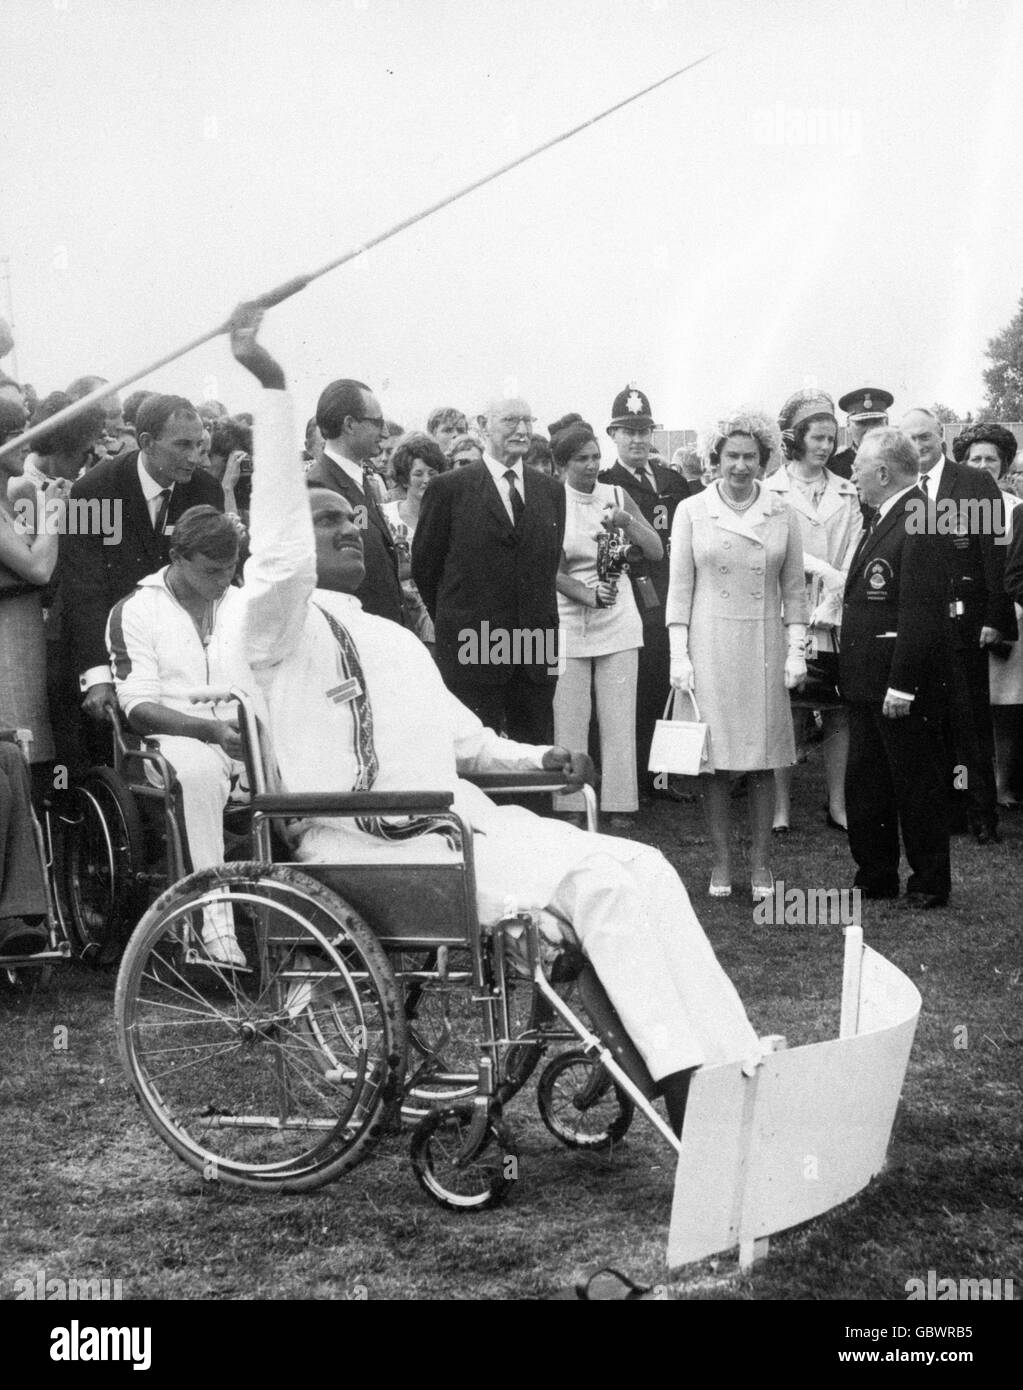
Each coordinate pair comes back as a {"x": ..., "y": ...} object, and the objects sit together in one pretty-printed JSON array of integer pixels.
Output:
[{"x": 739, "y": 506}]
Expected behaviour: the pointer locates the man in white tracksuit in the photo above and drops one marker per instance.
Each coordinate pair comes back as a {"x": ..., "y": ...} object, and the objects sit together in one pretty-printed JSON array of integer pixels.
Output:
[
  {"x": 355, "y": 701},
  {"x": 178, "y": 631}
]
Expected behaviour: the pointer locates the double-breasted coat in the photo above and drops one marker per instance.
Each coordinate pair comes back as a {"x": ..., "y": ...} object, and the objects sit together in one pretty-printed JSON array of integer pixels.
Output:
[{"x": 736, "y": 581}]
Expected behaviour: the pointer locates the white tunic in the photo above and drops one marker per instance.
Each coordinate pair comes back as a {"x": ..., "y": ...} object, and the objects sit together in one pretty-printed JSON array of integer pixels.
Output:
[
  {"x": 594, "y": 631},
  {"x": 635, "y": 923}
]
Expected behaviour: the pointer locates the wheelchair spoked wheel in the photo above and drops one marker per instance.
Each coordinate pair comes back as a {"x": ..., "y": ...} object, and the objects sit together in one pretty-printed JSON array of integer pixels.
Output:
[
  {"x": 277, "y": 1076},
  {"x": 456, "y": 1177},
  {"x": 445, "y": 1036},
  {"x": 580, "y": 1103},
  {"x": 104, "y": 850}
]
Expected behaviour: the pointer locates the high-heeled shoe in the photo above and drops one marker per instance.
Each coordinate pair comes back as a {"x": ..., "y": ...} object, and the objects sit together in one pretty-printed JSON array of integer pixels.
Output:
[
  {"x": 762, "y": 891},
  {"x": 719, "y": 890}
]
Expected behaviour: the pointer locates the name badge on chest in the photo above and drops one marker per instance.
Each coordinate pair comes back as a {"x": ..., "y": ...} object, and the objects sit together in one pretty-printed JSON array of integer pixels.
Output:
[
  {"x": 345, "y": 692},
  {"x": 878, "y": 575}
]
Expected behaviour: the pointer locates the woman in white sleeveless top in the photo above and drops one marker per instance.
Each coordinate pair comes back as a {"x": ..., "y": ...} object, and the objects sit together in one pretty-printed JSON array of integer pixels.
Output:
[{"x": 601, "y": 631}]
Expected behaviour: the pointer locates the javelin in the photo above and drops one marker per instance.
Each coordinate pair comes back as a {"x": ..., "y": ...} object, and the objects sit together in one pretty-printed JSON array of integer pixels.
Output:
[{"x": 290, "y": 287}]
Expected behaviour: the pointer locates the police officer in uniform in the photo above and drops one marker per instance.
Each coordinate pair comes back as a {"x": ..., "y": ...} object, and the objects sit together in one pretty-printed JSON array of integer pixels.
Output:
[
  {"x": 892, "y": 672},
  {"x": 865, "y": 408},
  {"x": 657, "y": 490}
]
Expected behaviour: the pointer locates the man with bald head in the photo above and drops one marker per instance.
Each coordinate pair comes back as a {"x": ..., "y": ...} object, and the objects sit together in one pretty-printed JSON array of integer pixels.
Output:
[
  {"x": 485, "y": 560},
  {"x": 970, "y": 521},
  {"x": 893, "y": 674}
]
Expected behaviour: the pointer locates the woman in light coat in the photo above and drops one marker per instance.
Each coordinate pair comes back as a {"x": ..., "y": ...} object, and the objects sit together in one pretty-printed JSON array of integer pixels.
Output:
[
  {"x": 831, "y": 523},
  {"x": 736, "y": 615}
]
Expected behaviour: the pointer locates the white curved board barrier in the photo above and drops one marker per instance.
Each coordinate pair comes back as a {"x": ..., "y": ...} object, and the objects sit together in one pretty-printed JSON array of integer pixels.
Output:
[{"x": 771, "y": 1145}]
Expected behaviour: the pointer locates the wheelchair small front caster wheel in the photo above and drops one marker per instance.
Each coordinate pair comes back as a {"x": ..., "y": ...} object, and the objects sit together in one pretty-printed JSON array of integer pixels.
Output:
[
  {"x": 580, "y": 1104},
  {"x": 458, "y": 1180}
]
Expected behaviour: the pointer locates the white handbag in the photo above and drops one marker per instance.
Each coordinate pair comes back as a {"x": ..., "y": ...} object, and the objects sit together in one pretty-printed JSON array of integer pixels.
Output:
[{"x": 680, "y": 745}]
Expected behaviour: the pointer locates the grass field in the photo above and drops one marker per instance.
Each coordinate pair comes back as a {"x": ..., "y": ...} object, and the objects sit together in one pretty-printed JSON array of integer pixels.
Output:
[{"x": 92, "y": 1193}]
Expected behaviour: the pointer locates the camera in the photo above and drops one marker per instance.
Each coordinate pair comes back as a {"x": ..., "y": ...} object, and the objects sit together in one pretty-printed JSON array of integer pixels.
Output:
[
  {"x": 615, "y": 555},
  {"x": 245, "y": 466}
]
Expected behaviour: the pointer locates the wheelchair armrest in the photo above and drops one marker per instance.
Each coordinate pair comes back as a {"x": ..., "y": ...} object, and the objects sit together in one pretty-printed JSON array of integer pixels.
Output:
[
  {"x": 300, "y": 804},
  {"x": 516, "y": 781}
]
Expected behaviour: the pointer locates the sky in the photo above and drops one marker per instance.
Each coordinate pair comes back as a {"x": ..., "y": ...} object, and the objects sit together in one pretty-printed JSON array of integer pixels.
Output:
[{"x": 831, "y": 199}]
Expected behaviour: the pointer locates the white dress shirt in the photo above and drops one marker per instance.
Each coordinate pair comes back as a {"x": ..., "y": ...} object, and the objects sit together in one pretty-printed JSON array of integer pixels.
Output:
[
  {"x": 933, "y": 477},
  {"x": 497, "y": 472},
  {"x": 151, "y": 491},
  {"x": 352, "y": 471}
]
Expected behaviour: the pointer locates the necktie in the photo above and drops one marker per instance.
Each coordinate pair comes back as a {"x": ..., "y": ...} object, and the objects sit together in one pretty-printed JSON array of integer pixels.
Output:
[
  {"x": 643, "y": 478},
  {"x": 163, "y": 506},
  {"x": 366, "y": 761},
  {"x": 925, "y": 478},
  {"x": 371, "y": 483},
  {"x": 517, "y": 504}
]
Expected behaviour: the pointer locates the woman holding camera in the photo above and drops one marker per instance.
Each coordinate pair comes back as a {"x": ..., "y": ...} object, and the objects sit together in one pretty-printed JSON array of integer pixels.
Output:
[{"x": 601, "y": 631}]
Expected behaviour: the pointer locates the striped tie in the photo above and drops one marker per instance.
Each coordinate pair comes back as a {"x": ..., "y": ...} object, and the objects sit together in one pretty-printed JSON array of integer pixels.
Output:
[{"x": 365, "y": 749}]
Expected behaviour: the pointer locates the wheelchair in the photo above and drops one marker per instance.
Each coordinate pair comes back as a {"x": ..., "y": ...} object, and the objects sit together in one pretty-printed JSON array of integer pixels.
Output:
[
  {"x": 372, "y": 996},
  {"x": 123, "y": 842},
  {"x": 18, "y": 969}
]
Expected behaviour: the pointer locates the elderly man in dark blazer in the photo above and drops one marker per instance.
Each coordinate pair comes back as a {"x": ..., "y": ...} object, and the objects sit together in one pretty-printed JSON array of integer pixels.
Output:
[
  {"x": 657, "y": 491},
  {"x": 485, "y": 560},
  {"x": 349, "y": 417},
  {"x": 130, "y": 504},
  {"x": 893, "y": 668},
  {"x": 969, "y": 518}
]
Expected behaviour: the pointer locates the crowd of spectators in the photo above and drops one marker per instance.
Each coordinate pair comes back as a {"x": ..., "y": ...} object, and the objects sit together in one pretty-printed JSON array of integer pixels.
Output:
[{"x": 484, "y": 522}]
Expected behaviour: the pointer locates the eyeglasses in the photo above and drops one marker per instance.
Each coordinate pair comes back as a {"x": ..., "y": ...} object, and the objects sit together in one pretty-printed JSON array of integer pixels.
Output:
[
  {"x": 377, "y": 421},
  {"x": 510, "y": 421}
]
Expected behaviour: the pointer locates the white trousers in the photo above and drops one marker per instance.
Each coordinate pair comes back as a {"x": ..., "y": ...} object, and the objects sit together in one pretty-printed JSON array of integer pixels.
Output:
[
  {"x": 204, "y": 774},
  {"x": 614, "y": 680},
  {"x": 632, "y": 916}
]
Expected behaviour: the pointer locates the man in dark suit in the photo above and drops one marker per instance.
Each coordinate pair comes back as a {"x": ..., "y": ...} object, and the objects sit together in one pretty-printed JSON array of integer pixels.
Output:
[
  {"x": 349, "y": 417},
  {"x": 485, "y": 560},
  {"x": 657, "y": 490},
  {"x": 131, "y": 504},
  {"x": 893, "y": 665},
  {"x": 1014, "y": 566},
  {"x": 969, "y": 518},
  {"x": 866, "y": 408}
]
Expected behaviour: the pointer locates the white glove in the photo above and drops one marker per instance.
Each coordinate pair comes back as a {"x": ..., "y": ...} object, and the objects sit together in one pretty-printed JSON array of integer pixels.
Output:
[
  {"x": 681, "y": 672},
  {"x": 830, "y": 577},
  {"x": 828, "y": 612},
  {"x": 680, "y": 668},
  {"x": 795, "y": 661}
]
